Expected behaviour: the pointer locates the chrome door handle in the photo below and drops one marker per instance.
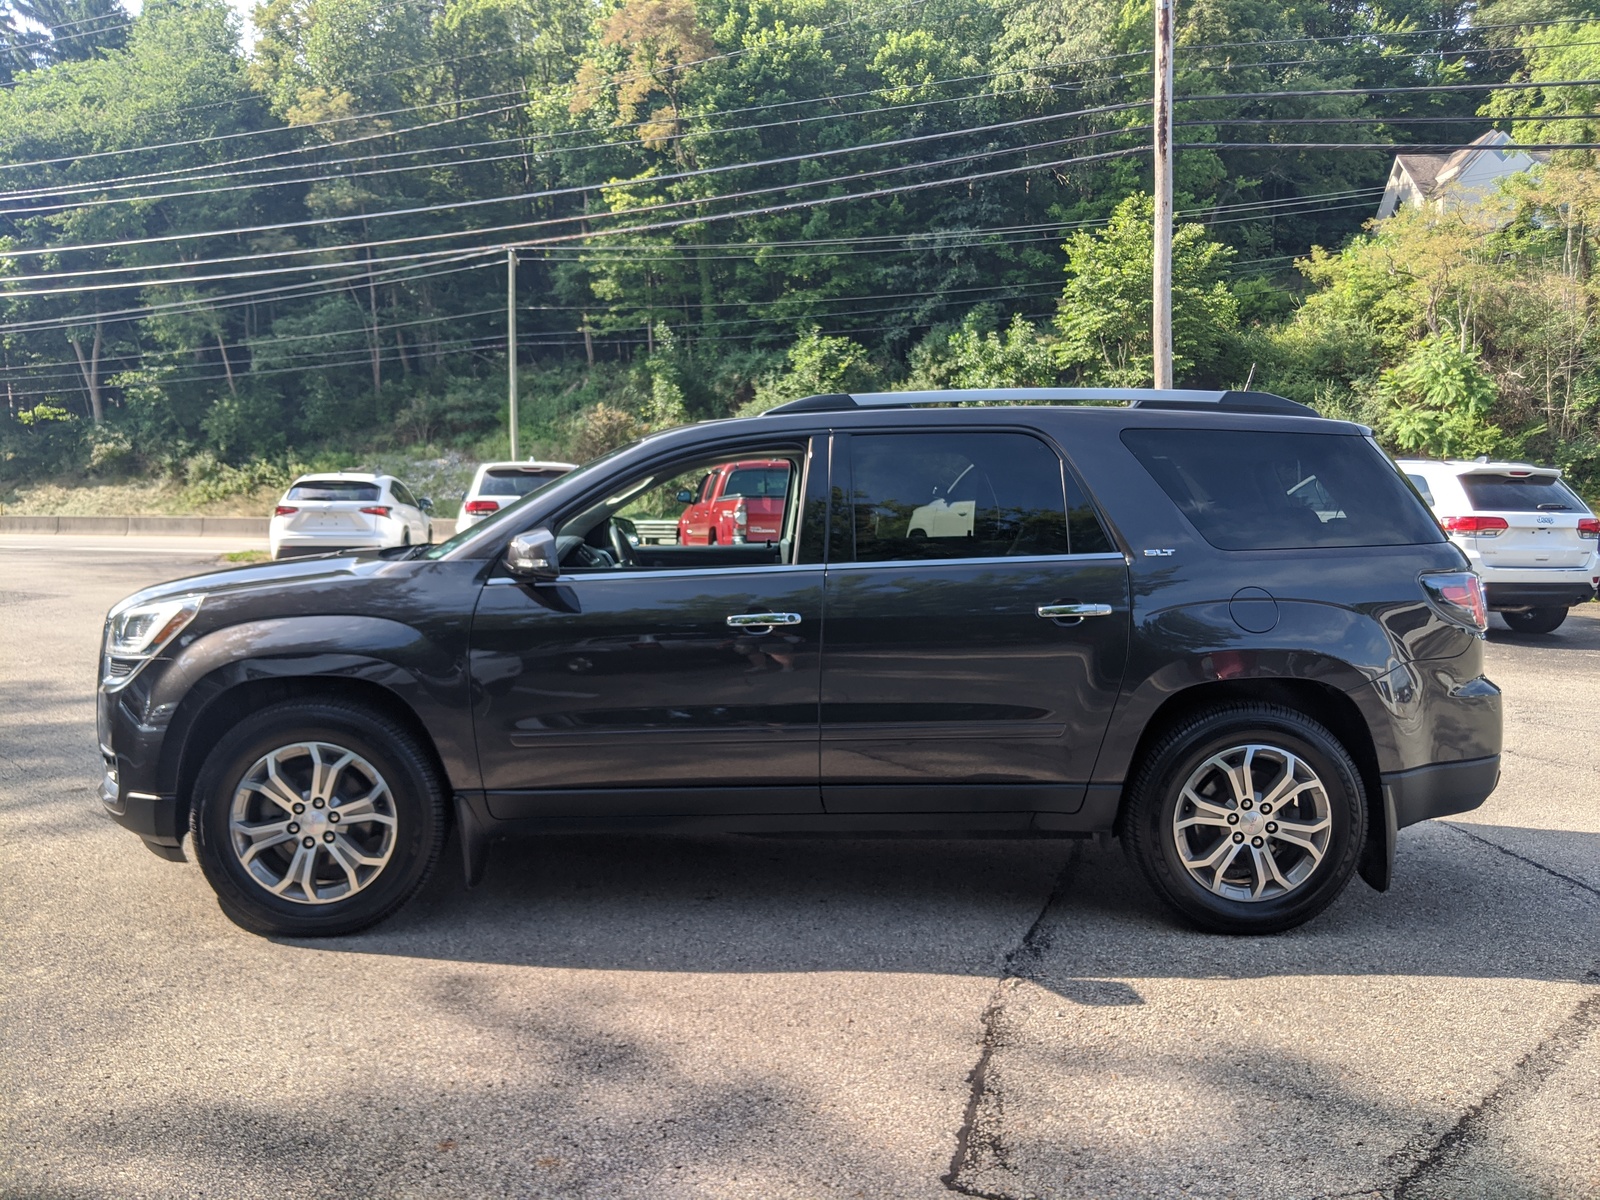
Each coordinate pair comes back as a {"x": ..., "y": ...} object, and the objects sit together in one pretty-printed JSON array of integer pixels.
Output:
[
  {"x": 1057, "y": 612},
  {"x": 763, "y": 620}
]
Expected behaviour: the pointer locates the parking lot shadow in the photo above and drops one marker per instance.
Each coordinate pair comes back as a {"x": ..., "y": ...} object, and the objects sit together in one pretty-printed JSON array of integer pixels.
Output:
[
  {"x": 1580, "y": 631},
  {"x": 1460, "y": 907}
]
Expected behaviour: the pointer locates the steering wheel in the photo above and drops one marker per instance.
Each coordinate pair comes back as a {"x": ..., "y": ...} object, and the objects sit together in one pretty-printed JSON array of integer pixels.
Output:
[{"x": 621, "y": 546}]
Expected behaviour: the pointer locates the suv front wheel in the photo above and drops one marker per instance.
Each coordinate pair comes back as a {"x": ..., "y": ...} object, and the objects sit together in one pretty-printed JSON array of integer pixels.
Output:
[
  {"x": 312, "y": 819},
  {"x": 1248, "y": 818}
]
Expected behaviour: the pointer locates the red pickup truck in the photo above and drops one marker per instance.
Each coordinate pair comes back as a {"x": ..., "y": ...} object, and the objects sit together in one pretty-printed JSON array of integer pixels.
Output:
[{"x": 736, "y": 502}]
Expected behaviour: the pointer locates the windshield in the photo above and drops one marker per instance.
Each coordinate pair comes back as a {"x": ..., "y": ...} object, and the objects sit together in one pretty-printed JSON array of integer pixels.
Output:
[{"x": 511, "y": 513}]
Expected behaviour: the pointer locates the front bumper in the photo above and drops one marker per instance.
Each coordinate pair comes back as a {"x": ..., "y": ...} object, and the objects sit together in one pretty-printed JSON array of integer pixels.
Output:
[
  {"x": 154, "y": 818},
  {"x": 1537, "y": 595},
  {"x": 1439, "y": 789}
]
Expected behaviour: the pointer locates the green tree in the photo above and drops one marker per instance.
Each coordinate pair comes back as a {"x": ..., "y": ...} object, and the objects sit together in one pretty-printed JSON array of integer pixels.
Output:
[
  {"x": 1440, "y": 399},
  {"x": 818, "y": 365},
  {"x": 1106, "y": 307}
]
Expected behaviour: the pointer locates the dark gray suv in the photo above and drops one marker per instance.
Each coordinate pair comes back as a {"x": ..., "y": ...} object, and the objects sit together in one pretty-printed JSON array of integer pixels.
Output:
[{"x": 1214, "y": 624}]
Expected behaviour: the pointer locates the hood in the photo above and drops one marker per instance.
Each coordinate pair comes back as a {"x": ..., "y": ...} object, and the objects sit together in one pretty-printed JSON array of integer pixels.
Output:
[{"x": 322, "y": 568}]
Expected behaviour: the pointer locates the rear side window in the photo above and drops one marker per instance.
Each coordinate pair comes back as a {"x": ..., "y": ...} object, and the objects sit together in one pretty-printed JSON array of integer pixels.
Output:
[
  {"x": 1512, "y": 493},
  {"x": 515, "y": 482},
  {"x": 950, "y": 496},
  {"x": 1420, "y": 482},
  {"x": 1283, "y": 491},
  {"x": 333, "y": 489}
]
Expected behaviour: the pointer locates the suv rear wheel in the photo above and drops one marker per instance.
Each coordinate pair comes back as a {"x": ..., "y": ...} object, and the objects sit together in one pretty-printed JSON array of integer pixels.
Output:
[
  {"x": 1247, "y": 819},
  {"x": 1534, "y": 620},
  {"x": 315, "y": 819}
]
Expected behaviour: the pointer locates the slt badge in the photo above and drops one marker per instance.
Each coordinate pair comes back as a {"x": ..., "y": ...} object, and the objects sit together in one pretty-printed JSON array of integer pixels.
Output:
[{"x": 1159, "y": 553}]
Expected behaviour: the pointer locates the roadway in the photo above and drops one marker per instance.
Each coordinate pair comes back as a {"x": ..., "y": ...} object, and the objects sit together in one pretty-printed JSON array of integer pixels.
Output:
[{"x": 722, "y": 1017}]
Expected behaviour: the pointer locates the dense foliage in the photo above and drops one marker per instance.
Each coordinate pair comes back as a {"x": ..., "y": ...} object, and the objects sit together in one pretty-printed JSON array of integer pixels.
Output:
[{"x": 219, "y": 257}]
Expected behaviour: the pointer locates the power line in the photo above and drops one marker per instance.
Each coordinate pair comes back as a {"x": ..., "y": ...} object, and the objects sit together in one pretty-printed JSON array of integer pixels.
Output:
[
  {"x": 548, "y": 193},
  {"x": 52, "y": 209},
  {"x": 409, "y": 108},
  {"x": 1404, "y": 147},
  {"x": 293, "y": 291},
  {"x": 185, "y": 174},
  {"x": 949, "y": 239}
]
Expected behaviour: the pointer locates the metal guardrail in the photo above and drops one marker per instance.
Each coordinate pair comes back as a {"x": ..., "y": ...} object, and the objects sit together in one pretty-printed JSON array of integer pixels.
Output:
[
  {"x": 162, "y": 526},
  {"x": 657, "y": 533}
]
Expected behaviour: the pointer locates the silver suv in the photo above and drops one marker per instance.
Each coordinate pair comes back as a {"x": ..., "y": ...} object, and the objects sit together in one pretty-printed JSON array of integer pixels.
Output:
[{"x": 1527, "y": 534}]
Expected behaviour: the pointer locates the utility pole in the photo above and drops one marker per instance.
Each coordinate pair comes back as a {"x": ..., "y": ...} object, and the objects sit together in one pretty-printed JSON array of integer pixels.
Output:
[
  {"x": 511, "y": 341},
  {"x": 1161, "y": 273}
]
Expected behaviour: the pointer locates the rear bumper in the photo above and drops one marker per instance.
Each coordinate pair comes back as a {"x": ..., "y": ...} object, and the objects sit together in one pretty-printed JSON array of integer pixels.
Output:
[
  {"x": 1439, "y": 789},
  {"x": 1538, "y": 595}
]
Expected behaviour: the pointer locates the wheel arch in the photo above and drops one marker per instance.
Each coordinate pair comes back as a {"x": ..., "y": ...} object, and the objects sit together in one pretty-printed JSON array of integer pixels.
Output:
[
  {"x": 221, "y": 700},
  {"x": 1321, "y": 702}
]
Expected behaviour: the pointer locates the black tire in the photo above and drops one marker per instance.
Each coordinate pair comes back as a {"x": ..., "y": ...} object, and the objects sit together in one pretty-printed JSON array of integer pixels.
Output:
[
  {"x": 412, "y": 809},
  {"x": 1151, "y": 838},
  {"x": 1534, "y": 620}
]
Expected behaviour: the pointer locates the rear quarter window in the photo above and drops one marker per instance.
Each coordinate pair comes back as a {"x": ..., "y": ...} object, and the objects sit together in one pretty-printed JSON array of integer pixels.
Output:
[
  {"x": 1511, "y": 493},
  {"x": 1253, "y": 490}
]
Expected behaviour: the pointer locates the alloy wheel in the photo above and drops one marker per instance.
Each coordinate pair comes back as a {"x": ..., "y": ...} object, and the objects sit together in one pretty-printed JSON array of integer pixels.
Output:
[
  {"x": 1252, "y": 822},
  {"x": 312, "y": 822}
]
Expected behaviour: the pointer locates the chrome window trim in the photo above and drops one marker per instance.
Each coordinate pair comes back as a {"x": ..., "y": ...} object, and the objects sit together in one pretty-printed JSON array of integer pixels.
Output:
[
  {"x": 998, "y": 560},
  {"x": 701, "y": 572},
  {"x": 679, "y": 573}
]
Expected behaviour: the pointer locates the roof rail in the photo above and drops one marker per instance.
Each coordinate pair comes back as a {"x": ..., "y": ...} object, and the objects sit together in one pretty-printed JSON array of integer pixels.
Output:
[{"x": 1173, "y": 398}]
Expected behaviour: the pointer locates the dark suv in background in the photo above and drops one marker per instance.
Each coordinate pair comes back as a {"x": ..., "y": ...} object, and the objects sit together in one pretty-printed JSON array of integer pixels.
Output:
[{"x": 1212, "y": 623}]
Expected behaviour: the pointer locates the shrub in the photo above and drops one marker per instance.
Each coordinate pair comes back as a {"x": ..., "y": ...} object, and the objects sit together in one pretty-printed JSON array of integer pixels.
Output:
[{"x": 43, "y": 440}]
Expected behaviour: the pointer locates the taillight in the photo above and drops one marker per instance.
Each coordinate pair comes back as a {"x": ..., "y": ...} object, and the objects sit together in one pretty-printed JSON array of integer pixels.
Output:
[
  {"x": 1459, "y": 596},
  {"x": 377, "y": 510},
  {"x": 741, "y": 521},
  {"x": 1477, "y": 526},
  {"x": 283, "y": 510},
  {"x": 1589, "y": 527},
  {"x": 478, "y": 508}
]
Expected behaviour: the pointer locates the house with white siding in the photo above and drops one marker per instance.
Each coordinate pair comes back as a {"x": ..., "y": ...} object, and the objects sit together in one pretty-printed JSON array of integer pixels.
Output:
[{"x": 1461, "y": 179}]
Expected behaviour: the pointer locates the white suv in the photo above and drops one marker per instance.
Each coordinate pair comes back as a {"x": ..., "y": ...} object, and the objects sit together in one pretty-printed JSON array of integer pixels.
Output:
[
  {"x": 498, "y": 484},
  {"x": 347, "y": 510},
  {"x": 1529, "y": 536}
]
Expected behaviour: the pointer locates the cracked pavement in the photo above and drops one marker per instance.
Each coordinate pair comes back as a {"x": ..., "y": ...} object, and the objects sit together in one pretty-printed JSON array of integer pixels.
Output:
[{"x": 721, "y": 1017}]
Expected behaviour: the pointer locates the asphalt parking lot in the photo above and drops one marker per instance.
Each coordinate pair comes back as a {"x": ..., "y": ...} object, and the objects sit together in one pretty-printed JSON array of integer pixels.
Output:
[{"x": 721, "y": 1017}]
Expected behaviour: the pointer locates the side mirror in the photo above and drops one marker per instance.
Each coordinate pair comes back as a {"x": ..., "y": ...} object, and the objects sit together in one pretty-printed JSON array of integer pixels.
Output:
[
  {"x": 686, "y": 497},
  {"x": 425, "y": 504},
  {"x": 533, "y": 557}
]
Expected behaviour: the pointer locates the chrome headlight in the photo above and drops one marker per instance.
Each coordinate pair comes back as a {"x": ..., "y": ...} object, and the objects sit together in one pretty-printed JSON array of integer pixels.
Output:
[{"x": 136, "y": 634}]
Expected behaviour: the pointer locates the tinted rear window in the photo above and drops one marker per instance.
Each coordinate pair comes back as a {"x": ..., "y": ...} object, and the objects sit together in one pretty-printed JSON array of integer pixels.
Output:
[
  {"x": 1507, "y": 493},
  {"x": 1283, "y": 491},
  {"x": 516, "y": 483},
  {"x": 334, "y": 489}
]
